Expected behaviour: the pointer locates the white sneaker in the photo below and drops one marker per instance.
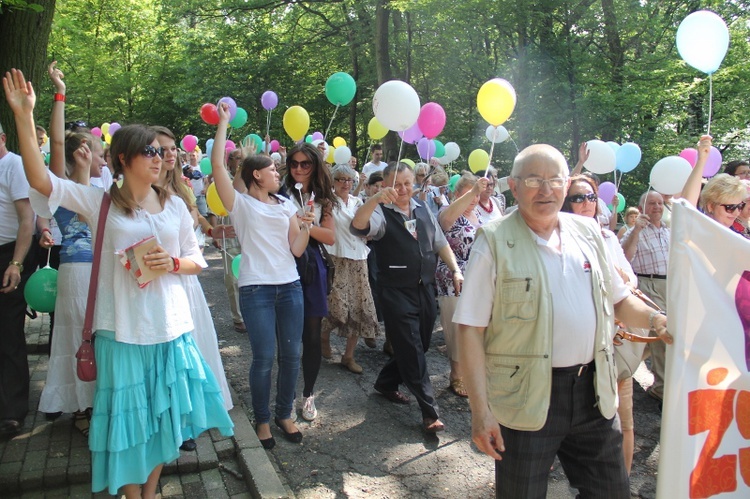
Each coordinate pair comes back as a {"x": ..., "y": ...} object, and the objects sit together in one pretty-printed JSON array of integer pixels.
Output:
[{"x": 309, "y": 412}]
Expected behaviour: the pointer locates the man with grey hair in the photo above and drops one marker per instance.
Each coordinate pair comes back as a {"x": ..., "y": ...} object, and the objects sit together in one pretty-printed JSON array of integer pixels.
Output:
[
  {"x": 536, "y": 321},
  {"x": 17, "y": 262},
  {"x": 646, "y": 245},
  {"x": 407, "y": 241}
]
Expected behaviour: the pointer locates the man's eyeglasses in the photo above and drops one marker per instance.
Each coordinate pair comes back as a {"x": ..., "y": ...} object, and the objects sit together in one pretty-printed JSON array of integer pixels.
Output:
[
  {"x": 75, "y": 125},
  {"x": 537, "y": 182},
  {"x": 731, "y": 208},
  {"x": 150, "y": 151},
  {"x": 305, "y": 165},
  {"x": 344, "y": 180},
  {"x": 580, "y": 198}
]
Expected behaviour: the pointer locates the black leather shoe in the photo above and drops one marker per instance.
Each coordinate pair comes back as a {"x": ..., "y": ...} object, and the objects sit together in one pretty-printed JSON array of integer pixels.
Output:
[
  {"x": 51, "y": 416},
  {"x": 10, "y": 427},
  {"x": 267, "y": 443},
  {"x": 295, "y": 437},
  {"x": 394, "y": 396},
  {"x": 189, "y": 445}
]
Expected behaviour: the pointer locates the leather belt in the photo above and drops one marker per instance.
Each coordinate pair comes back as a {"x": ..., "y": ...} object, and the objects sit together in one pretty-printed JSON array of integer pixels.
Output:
[
  {"x": 652, "y": 276},
  {"x": 577, "y": 370}
]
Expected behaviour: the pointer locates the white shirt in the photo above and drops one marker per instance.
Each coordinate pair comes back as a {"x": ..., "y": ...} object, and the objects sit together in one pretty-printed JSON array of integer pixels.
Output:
[
  {"x": 197, "y": 184},
  {"x": 347, "y": 245},
  {"x": 156, "y": 313},
  {"x": 371, "y": 168},
  {"x": 263, "y": 232},
  {"x": 13, "y": 187},
  {"x": 574, "y": 316},
  {"x": 104, "y": 181}
]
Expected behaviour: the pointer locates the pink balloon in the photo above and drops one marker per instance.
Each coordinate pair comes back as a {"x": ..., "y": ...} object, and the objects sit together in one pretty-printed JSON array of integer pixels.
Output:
[
  {"x": 712, "y": 164},
  {"x": 230, "y": 146},
  {"x": 411, "y": 135},
  {"x": 96, "y": 131},
  {"x": 607, "y": 191},
  {"x": 431, "y": 119},
  {"x": 425, "y": 148},
  {"x": 189, "y": 142},
  {"x": 274, "y": 145},
  {"x": 691, "y": 155}
]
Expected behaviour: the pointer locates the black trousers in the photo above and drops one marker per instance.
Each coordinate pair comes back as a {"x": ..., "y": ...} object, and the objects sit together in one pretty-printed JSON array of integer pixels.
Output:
[
  {"x": 14, "y": 366},
  {"x": 409, "y": 315},
  {"x": 588, "y": 445}
]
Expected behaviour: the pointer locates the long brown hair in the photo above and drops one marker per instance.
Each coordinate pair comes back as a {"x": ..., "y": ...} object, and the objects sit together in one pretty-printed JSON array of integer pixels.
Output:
[
  {"x": 173, "y": 178},
  {"x": 129, "y": 142},
  {"x": 321, "y": 182},
  {"x": 73, "y": 141}
]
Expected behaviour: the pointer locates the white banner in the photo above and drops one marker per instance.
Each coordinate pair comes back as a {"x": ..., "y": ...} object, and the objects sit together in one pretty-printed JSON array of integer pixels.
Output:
[{"x": 705, "y": 432}]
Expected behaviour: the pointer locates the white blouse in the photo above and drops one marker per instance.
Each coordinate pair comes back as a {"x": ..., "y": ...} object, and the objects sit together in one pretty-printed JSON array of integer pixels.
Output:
[
  {"x": 157, "y": 313},
  {"x": 347, "y": 245}
]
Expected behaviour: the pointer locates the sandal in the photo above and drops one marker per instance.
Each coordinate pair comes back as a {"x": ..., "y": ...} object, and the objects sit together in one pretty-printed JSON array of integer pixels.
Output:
[
  {"x": 457, "y": 387},
  {"x": 81, "y": 422}
]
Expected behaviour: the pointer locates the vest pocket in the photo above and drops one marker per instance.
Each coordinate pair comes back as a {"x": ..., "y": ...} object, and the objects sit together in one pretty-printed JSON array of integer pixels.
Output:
[
  {"x": 519, "y": 300},
  {"x": 508, "y": 382}
]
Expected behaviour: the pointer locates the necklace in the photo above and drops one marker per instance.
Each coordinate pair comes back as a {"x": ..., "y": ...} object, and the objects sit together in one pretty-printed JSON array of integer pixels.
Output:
[{"x": 491, "y": 208}]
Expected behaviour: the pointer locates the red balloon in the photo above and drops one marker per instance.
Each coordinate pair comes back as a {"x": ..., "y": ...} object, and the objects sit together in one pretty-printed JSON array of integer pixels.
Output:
[{"x": 210, "y": 114}]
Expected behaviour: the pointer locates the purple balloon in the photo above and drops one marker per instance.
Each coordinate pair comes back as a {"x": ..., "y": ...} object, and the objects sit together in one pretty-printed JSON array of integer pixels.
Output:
[
  {"x": 607, "y": 191},
  {"x": 232, "y": 106},
  {"x": 425, "y": 148},
  {"x": 411, "y": 135},
  {"x": 113, "y": 128},
  {"x": 318, "y": 136},
  {"x": 712, "y": 164},
  {"x": 269, "y": 100}
]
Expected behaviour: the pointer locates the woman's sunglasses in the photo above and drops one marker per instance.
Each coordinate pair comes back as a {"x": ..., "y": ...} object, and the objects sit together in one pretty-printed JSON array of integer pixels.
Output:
[
  {"x": 580, "y": 198},
  {"x": 150, "y": 151},
  {"x": 731, "y": 208},
  {"x": 305, "y": 165}
]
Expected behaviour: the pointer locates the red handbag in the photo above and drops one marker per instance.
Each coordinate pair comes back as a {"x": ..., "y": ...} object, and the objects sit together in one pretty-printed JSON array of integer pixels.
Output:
[{"x": 85, "y": 359}]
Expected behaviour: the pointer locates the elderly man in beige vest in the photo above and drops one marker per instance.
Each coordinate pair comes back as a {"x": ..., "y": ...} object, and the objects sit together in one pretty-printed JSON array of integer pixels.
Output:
[{"x": 536, "y": 321}]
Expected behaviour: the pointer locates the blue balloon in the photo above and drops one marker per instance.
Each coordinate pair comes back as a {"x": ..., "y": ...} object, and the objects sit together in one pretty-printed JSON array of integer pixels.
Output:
[
  {"x": 702, "y": 40},
  {"x": 209, "y": 146},
  {"x": 628, "y": 156}
]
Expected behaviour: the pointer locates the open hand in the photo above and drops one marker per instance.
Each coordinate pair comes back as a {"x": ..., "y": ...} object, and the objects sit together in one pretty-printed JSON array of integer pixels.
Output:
[{"x": 19, "y": 92}]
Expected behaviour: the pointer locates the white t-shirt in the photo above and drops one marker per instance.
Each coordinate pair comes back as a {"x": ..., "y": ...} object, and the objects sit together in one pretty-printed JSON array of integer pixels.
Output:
[
  {"x": 371, "y": 168},
  {"x": 574, "y": 315},
  {"x": 156, "y": 313},
  {"x": 263, "y": 232},
  {"x": 197, "y": 184},
  {"x": 347, "y": 245},
  {"x": 13, "y": 187}
]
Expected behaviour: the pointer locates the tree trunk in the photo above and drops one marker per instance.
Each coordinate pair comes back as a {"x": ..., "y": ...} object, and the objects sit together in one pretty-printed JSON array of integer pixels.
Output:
[{"x": 25, "y": 35}]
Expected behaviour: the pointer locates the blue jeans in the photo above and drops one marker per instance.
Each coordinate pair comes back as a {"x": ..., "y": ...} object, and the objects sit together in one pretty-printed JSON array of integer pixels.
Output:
[
  {"x": 273, "y": 314},
  {"x": 200, "y": 203}
]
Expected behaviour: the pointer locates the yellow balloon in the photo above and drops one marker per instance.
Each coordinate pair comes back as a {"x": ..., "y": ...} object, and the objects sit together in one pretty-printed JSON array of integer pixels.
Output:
[
  {"x": 496, "y": 100},
  {"x": 107, "y": 138},
  {"x": 408, "y": 162},
  {"x": 338, "y": 142},
  {"x": 105, "y": 128},
  {"x": 214, "y": 202},
  {"x": 375, "y": 130},
  {"x": 296, "y": 122},
  {"x": 330, "y": 160},
  {"x": 478, "y": 160}
]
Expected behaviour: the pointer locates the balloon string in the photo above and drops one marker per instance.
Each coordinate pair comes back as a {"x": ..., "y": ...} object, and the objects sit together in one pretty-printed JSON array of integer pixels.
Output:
[
  {"x": 514, "y": 143},
  {"x": 268, "y": 122},
  {"x": 710, "y": 101},
  {"x": 49, "y": 251},
  {"x": 400, "y": 149},
  {"x": 492, "y": 149},
  {"x": 331, "y": 122}
]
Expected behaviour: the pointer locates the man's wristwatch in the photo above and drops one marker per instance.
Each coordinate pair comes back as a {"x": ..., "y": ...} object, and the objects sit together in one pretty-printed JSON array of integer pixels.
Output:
[{"x": 17, "y": 264}]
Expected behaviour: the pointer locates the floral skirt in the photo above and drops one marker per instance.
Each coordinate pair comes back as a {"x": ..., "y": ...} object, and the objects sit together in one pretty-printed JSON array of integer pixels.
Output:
[
  {"x": 148, "y": 400},
  {"x": 351, "y": 309}
]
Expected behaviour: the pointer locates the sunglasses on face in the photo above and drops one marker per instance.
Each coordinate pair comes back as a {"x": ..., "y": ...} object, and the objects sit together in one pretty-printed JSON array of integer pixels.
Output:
[
  {"x": 731, "y": 208},
  {"x": 580, "y": 198},
  {"x": 305, "y": 165},
  {"x": 150, "y": 151}
]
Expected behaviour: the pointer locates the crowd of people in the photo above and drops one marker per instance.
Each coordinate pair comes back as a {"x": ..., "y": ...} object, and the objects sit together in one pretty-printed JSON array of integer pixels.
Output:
[{"x": 526, "y": 294}]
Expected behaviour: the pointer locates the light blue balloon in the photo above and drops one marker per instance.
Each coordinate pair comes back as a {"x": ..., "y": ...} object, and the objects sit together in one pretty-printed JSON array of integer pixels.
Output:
[
  {"x": 627, "y": 157},
  {"x": 209, "y": 146},
  {"x": 702, "y": 40},
  {"x": 614, "y": 145}
]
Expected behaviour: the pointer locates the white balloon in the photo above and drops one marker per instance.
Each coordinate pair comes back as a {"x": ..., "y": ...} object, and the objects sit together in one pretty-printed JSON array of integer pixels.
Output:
[
  {"x": 396, "y": 105},
  {"x": 702, "y": 40},
  {"x": 497, "y": 134},
  {"x": 452, "y": 151},
  {"x": 443, "y": 160},
  {"x": 668, "y": 176},
  {"x": 601, "y": 157},
  {"x": 342, "y": 155}
]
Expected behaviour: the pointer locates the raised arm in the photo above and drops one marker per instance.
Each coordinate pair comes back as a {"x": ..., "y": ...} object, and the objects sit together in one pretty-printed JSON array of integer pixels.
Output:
[
  {"x": 583, "y": 155},
  {"x": 448, "y": 216},
  {"x": 361, "y": 220},
  {"x": 692, "y": 190},
  {"x": 21, "y": 99},
  {"x": 57, "y": 123},
  {"x": 221, "y": 176}
]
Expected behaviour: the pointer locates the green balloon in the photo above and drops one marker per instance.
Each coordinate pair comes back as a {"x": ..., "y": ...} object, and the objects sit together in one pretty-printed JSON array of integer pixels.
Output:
[
  {"x": 40, "y": 291},
  {"x": 240, "y": 118},
  {"x": 439, "y": 148},
  {"x": 340, "y": 89},
  {"x": 620, "y": 203},
  {"x": 206, "y": 167},
  {"x": 236, "y": 266},
  {"x": 308, "y": 139},
  {"x": 453, "y": 181}
]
